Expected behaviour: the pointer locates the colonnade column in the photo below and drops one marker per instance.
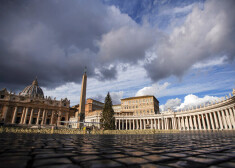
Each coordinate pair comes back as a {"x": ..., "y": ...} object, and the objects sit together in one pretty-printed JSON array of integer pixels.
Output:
[
  {"x": 212, "y": 122},
  {"x": 5, "y": 111},
  {"x": 151, "y": 123},
  {"x": 39, "y": 111},
  {"x": 195, "y": 122},
  {"x": 203, "y": 122},
  {"x": 144, "y": 123},
  {"x": 119, "y": 125},
  {"x": 43, "y": 117},
  {"x": 31, "y": 116},
  {"x": 25, "y": 118},
  {"x": 232, "y": 117},
  {"x": 207, "y": 122},
  {"x": 129, "y": 124},
  {"x": 175, "y": 123},
  {"x": 59, "y": 118},
  {"x": 183, "y": 123},
  {"x": 225, "y": 123},
  {"x": 14, "y": 116},
  {"x": 179, "y": 126},
  {"x": 199, "y": 122},
  {"x": 186, "y": 122},
  {"x": 220, "y": 120},
  {"x": 122, "y": 124},
  {"x": 137, "y": 124},
  {"x": 155, "y": 124},
  {"x": 228, "y": 118},
  {"x": 216, "y": 120},
  {"x": 159, "y": 124},
  {"x": 52, "y": 116},
  {"x": 190, "y": 123},
  {"x": 22, "y": 116},
  {"x": 67, "y": 118},
  {"x": 141, "y": 127},
  {"x": 133, "y": 124},
  {"x": 165, "y": 123}
]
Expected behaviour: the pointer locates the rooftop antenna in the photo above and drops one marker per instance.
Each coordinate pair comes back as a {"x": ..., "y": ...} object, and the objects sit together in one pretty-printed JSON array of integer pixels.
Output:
[{"x": 85, "y": 70}]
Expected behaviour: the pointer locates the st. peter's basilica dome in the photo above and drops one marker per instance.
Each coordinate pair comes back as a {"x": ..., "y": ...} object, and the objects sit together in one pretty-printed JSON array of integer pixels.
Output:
[{"x": 32, "y": 90}]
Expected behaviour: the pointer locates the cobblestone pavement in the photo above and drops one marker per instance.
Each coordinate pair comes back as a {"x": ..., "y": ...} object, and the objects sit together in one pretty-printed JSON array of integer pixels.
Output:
[{"x": 186, "y": 149}]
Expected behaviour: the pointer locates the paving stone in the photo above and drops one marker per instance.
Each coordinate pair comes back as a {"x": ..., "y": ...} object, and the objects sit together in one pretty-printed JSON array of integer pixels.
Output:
[
  {"x": 112, "y": 156},
  {"x": 42, "y": 162},
  {"x": 132, "y": 160},
  {"x": 61, "y": 166},
  {"x": 53, "y": 155},
  {"x": 9, "y": 163},
  {"x": 101, "y": 164},
  {"x": 228, "y": 164},
  {"x": 156, "y": 158},
  {"x": 217, "y": 157},
  {"x": 137, "y": 153},
  {"x": 176, "y": 155},
  {"x": 84, "y": 158},
  {"x": 153, "y": 166},
  {"x": 202, "y": 160}
]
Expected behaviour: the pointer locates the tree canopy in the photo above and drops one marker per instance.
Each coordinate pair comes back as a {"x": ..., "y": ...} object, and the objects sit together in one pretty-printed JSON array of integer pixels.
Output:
[{"x": 107, "y": 117}]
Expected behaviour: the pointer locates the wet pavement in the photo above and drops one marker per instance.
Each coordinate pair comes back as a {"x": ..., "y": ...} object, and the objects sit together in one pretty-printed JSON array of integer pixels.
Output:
[{"x": 185, "y": 149}]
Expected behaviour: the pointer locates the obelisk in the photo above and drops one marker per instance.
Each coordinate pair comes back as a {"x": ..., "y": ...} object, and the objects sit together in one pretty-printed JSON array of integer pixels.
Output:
[{"x": 83, "y": 98}]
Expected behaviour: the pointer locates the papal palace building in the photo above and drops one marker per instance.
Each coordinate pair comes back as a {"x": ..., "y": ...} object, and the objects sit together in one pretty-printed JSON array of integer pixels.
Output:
[{"x": 31, "y": 107}]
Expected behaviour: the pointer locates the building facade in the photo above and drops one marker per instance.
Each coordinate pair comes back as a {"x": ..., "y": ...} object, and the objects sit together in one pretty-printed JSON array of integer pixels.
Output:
[
  {"x": 141, "y": 105},
  {"x": 142, "y": 114},
  {"x": 30, "y": 107}
]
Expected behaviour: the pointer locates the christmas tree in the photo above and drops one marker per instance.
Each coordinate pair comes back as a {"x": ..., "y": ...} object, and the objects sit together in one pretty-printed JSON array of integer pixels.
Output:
[{"x": 107, "y": 117}]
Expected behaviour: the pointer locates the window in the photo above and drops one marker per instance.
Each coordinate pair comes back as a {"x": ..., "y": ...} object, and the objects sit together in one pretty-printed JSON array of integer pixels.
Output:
[{"x": 2, "y": 96}]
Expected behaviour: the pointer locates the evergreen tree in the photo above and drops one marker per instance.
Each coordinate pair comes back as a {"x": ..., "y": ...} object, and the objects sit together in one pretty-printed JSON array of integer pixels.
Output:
[{"x": 107, "y": 117}]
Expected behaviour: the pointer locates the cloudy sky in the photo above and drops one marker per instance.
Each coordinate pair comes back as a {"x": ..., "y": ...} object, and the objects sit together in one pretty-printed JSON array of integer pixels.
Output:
[{"x": 180, "y": 51}]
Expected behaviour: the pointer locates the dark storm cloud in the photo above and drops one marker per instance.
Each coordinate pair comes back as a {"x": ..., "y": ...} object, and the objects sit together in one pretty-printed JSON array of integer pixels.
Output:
[
  {"x": 107, "y": 73},
  {"x": 53, "y": 40}
]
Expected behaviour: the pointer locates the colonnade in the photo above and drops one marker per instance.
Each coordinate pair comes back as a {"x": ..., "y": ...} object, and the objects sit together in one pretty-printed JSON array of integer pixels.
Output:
[
  {"x": 41, "y": 116},
  {"x": 219, "y": 116}
]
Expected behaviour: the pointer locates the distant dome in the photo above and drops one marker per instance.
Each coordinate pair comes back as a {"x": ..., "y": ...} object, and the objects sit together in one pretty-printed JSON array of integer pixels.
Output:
[{"x": 32, "y": 90}]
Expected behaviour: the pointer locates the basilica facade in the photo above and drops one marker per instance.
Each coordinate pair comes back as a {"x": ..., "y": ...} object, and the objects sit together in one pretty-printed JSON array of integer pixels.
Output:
[{"x": 31, "y": 107}]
